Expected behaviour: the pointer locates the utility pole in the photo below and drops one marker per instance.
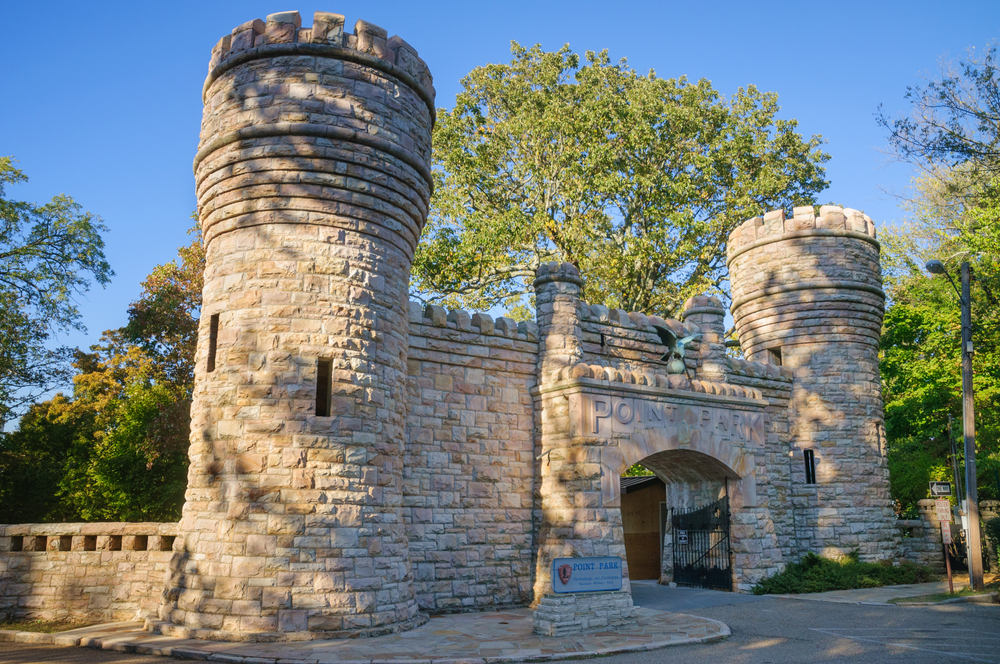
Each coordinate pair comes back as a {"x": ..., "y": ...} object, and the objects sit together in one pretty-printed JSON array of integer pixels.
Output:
[
  {"x": 959, "y": 493},
  {"x": 969, "y": 431},
  {"x": 973, "y": 537}
]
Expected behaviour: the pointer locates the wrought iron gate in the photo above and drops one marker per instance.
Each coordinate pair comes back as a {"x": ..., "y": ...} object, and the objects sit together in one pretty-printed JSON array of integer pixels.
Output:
[{"x": 701, "y": 547}]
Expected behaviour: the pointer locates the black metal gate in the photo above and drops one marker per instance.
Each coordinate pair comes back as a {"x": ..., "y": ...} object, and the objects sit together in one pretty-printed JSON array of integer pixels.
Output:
[{"x": 701, "y": 547}]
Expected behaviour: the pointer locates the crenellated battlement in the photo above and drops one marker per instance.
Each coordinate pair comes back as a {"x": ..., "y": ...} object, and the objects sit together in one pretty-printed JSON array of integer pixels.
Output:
[
  {"x": 832, "y": 220},
  {"x": 476, "y": 323},
  {"x": 283, "y": 34}
]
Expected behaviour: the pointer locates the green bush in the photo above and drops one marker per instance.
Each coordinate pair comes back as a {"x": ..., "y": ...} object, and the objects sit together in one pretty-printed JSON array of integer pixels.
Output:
[{"x": 815, "y": 574}]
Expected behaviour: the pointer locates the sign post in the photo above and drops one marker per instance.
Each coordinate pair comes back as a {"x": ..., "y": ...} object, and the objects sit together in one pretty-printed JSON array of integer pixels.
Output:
[
  {"x": 945, "y": 542},
  {"x": 943, "y": 509}
]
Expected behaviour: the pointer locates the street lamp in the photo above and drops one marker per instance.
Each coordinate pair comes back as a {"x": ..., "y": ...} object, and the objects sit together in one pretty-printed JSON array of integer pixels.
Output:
[{"x": 973, "y": 538}]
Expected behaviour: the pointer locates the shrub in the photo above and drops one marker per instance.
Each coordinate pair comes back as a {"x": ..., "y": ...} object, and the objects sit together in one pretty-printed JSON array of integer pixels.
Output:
[{"x": 815, "y": 574}]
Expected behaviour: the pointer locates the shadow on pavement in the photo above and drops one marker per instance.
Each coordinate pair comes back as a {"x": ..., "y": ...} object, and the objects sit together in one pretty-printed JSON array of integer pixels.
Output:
[{"x": 650, "y": 595}]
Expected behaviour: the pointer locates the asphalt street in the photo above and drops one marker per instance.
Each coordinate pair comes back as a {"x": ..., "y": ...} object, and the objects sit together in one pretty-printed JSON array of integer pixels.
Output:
[
  {"x": 764, "y": 631},
  {"x": 779, "y": 631}
]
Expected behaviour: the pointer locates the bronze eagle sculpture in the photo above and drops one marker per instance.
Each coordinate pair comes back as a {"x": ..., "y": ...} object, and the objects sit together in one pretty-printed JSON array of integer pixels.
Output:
[{"x": 674, "y": 357}]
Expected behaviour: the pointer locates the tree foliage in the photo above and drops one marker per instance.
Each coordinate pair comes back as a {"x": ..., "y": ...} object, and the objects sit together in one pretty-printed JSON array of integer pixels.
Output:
[
  {"x": 48, "y": 255},
  {"x": 635, "y": 179},
  {"x": 116, "y": 450},
  {"x": 954, "y": 216}
]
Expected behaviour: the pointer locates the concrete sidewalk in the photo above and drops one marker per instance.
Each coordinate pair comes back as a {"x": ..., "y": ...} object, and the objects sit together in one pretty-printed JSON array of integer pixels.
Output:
[
  {"x": 469, "y": 638},
  {"x": 877, "y": 595}
]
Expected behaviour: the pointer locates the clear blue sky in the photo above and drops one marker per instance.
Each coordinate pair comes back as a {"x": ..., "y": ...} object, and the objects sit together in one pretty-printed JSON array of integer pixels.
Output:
[{"x": 102, "y": 100}]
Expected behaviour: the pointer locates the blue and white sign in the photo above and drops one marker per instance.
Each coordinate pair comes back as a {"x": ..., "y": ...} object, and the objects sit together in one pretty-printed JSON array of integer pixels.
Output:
[{"x": 586, "y": 575}]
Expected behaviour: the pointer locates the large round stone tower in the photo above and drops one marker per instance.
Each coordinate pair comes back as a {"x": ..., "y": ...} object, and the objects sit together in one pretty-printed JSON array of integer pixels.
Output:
[
  {"x": 313, "y": 184},
  {"x": 807, "y": 294}
]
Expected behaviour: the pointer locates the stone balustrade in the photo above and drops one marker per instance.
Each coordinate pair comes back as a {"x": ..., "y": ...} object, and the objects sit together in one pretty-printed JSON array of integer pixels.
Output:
[{"x": 87, "y": 572}]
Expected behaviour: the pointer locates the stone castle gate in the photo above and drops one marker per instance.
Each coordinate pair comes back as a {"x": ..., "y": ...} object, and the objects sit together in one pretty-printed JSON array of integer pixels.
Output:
[{"x": 359, "y": 461}]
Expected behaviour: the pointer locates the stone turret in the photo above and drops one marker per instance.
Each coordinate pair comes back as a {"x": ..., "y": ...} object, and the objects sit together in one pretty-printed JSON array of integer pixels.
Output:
[
  {"x": 807, "y": 295},
  {"x": 313, "y": 185}
]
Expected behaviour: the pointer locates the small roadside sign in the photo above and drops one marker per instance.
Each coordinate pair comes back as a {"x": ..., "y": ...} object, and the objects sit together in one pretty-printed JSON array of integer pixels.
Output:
[
  {"x": 682, "y": 537},
  {"x": 943, "y": 509},
  {"x": 940, "y": 489},
  {"x": 946, "y": 533}
]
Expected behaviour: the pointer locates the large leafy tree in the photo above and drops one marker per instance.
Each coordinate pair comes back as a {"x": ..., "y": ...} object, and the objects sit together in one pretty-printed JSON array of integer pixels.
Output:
[
  {"x": 116, "y": 450},
  {"x": 635, "y": 179},
  {"x": 953, "y": 138},
  {"x": 49, "y": 254}
]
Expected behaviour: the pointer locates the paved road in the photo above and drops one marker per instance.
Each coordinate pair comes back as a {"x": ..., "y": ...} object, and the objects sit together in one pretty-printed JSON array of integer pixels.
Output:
[
  {"x": 765, "y": 631},
  {"x": 779, "y": 631}
]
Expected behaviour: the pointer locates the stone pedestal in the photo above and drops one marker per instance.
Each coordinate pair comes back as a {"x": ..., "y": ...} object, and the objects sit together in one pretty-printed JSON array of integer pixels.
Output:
[{"x": 576, "y": 613}]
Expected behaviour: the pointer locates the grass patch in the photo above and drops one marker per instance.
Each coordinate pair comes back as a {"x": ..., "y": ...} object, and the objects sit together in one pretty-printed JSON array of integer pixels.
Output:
[
  {"x": 815, "y": 574},
  {"x": 990, "y": 586},
  {"x": 46, "y": 626}
]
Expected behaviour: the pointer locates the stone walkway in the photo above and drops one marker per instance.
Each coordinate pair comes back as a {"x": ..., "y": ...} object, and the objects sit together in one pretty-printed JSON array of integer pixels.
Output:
[{"x": 470, "y": 638}]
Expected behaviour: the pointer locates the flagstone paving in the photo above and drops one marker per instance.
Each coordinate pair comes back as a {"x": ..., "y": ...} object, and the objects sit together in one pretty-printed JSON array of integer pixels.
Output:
[{"x": 469, "y": 638}]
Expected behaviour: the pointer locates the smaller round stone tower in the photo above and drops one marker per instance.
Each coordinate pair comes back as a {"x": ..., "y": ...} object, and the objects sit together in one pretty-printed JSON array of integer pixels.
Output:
[
  {"x": 313, "y": 183},
  {"x": 807, "y": 294}
]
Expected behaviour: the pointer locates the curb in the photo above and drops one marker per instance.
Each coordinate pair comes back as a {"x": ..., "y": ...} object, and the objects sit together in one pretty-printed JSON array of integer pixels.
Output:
[
  {"x": 127, "y": 644},
  {"x": 39, "y": 638},
  {"x": 986, "y": 600}
]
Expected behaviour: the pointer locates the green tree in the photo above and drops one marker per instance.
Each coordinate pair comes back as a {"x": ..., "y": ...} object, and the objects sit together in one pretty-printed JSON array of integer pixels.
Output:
[
  {"x": 139, "y": 382},
  {"x": 635, "y": 179},
  {"x": 48, "y": 255},
  {"x": 52, "y": 437},
  {"x": 116, "y": 450},
  {"x": 953, "y": 138}
]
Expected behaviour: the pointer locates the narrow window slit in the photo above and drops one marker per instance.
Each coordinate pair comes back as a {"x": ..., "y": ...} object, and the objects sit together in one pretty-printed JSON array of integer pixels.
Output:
[
  {"x": 213, "y": 340},
  {"x": 774, "y": 356},
  {"x": 324, "y": 386},
  {"x": 810, "y": 458}
]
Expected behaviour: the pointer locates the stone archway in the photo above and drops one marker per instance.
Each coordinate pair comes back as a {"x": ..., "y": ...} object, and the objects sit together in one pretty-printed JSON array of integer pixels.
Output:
[
  {"x": 687, "y": 480},
  {"x": 592, "y": 431}
]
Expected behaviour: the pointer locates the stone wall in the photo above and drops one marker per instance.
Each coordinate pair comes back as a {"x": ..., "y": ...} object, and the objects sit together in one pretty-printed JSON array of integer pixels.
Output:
[
  {"x": 990, "y": 509},
  {"x": 920, "y": 540},
  {"x": 86, "y": 572},
  {"x": 469, "y": 463}
]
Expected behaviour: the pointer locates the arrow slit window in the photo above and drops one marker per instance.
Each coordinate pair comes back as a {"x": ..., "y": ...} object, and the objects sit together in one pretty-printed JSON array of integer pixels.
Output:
[
  {"x": 810, "y": 458},
  {"x": 324, "y": 379},
  {"x": 213, "y": 341}
]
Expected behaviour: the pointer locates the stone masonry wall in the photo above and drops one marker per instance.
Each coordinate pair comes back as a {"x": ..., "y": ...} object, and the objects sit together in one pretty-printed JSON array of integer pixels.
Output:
[
  {"x": 921, "y": 538},
  {"x": 468, "y": 468},
  {"x": 86, "y": 572},
  {"x": 626, "y": 341},
  {"x": 775, "y": 385}
]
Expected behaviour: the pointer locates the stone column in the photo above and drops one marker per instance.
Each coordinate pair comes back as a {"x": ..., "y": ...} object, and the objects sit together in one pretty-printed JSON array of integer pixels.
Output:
[
  {"x": 557, "y": 307},
  {"x": 313, "y": 184},
  {"x": 572, "y": 518},
  {"x": 708, "y": 314},
  {"x": 807, "y": 294}
]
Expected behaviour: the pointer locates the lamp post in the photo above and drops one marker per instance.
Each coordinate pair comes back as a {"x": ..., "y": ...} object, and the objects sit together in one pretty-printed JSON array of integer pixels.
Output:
[{"x": 973, "y": 538}]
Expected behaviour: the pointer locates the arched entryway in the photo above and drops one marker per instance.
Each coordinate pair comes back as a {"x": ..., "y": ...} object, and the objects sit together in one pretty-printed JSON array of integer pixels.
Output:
[{"x": 689, "y": 488}]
